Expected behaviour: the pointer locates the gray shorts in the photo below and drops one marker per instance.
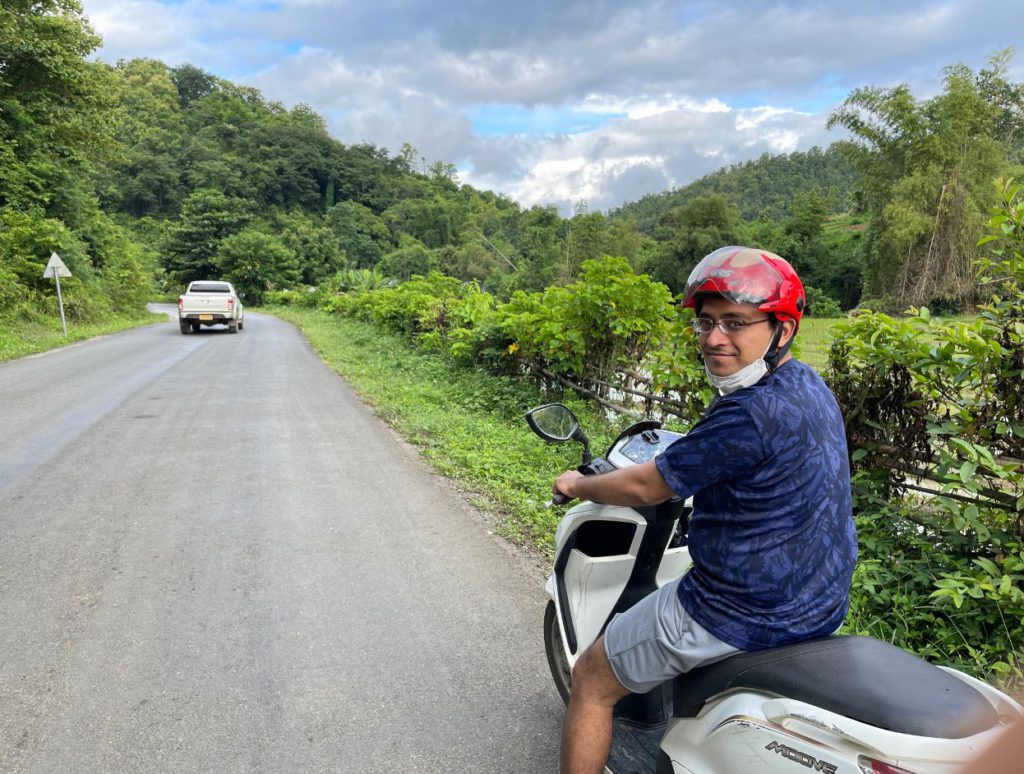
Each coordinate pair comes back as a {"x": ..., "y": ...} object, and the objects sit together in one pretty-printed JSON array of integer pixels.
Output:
[{"x": 656, "y": 640}]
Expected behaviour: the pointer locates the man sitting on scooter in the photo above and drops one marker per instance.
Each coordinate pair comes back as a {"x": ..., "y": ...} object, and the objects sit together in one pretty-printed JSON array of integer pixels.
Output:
[{"x": 771, "y": 534}]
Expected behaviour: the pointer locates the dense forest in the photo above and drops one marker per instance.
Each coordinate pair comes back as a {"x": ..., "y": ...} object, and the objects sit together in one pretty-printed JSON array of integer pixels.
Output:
[{"x": 144, "y": 176}]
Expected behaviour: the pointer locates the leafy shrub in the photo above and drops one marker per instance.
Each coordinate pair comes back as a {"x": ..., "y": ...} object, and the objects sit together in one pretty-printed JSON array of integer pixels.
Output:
[
  {"x": 608, "y": 319},
  {"x": 820, "y": 304},
  {"x": 286, "y": 298},
  {"x": 107, "y": 279},
  {"x": 359, "y": 280}
]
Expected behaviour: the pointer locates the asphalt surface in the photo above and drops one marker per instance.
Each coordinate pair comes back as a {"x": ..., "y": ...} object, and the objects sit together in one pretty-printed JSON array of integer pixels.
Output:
[{"x": 214, "y": 558}]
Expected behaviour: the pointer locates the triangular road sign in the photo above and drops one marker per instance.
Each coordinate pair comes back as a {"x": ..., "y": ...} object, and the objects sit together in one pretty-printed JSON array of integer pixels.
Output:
[{"x": 56, "y": 267}]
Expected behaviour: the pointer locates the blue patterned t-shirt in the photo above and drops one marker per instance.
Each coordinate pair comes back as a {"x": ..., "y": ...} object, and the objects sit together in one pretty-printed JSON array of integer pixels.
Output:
[{"x": 771, "y": 534}]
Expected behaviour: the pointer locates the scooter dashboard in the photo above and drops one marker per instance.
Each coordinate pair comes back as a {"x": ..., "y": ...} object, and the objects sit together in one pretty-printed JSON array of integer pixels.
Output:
[{"x": 641, "y": 447}]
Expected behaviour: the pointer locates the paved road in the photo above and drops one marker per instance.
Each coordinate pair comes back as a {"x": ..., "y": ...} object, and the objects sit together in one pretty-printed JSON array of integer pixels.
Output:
[{"x": 213, "y": 558}]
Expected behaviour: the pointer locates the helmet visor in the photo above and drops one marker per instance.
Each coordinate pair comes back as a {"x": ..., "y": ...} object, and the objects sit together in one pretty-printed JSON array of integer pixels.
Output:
[{"x": 739, "y": 274}]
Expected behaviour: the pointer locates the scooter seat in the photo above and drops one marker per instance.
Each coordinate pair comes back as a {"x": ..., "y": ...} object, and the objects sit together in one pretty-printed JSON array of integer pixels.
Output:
[{"x": 857, "y": 677}]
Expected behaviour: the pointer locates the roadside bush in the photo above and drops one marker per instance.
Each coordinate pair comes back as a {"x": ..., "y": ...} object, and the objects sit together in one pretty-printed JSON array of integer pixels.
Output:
[
  {"x": 286, "y": 298},
  {"x": 416, "y": 308},
  {"x": 606, "y": 320},
  {"x": 611, "y": 327}
]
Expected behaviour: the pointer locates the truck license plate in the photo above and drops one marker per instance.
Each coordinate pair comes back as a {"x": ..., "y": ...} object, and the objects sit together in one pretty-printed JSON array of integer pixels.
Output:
[{"x": 206, "y": 317}]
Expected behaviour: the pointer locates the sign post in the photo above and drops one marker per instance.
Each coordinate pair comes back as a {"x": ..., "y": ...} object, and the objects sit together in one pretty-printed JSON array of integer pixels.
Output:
[{"x": 56, "y": 269}]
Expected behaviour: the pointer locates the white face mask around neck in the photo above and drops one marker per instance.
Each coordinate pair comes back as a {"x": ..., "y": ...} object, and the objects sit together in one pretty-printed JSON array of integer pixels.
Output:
[{"x": 747, "y": 376}]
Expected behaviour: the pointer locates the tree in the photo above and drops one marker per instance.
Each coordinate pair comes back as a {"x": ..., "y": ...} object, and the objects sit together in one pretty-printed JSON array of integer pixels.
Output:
[
  {"x": 209, "y": 161},
  {"x": 207, "y": 217},
  {"x": 55, "y": 133},
  {"x": 411, "y": 258},
  {"x": 804, "y": 229},
  {"x": 256, "y": 262},
  {"x": 1009, "y": 99},
  {"x": 623, "y": 238},
  {"x": 192, "y": 83},
  {"x": 289, "y": 163},
  {"x": 362, "y": 236},
  {"x": 435, "y": 221},
  {"x": 315, "y": 247},
  {"x": 471, "y": 261},
  {"x": 586, "y": 239},
  {"x": 690, "y": 232},
  {"x": 540, "y": 244},
  {"x": 148, "y": 122},
  {"x": 927, "y": 171},
  {"x": 51, "y": 103}
]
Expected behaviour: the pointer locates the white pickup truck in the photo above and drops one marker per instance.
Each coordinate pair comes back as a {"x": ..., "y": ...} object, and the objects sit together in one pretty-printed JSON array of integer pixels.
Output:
[{"x": 209, "y": 302}]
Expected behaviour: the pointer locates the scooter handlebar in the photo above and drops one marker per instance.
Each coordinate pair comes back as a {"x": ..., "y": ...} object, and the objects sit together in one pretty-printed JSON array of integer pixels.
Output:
[{"x": 595, "y": 467}]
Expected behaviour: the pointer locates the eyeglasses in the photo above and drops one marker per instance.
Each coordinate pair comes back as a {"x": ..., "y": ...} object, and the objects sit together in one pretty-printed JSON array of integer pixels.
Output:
[{"x": 729, "y": 326}]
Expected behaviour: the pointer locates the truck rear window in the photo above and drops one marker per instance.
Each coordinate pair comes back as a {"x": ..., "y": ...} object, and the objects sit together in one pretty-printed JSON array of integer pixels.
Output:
[{"x": 208, "y": 288}]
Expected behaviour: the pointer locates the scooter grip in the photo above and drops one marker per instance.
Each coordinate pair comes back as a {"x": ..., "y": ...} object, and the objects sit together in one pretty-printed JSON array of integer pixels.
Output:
[{"x": 559, "y": 499}]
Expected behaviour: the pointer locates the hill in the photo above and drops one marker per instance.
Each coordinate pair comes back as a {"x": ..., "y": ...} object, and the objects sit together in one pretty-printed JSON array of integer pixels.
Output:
[{"x": 763, "y": 187}]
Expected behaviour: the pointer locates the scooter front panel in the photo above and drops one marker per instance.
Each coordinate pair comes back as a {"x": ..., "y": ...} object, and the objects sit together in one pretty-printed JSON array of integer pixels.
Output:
[
  {"x": 594, "y": 586},
  {"x": 590, "y": 532}
]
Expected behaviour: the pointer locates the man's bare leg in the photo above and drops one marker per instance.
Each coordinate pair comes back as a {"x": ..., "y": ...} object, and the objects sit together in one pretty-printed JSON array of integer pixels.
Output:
[{"x": 587, "y": 732}]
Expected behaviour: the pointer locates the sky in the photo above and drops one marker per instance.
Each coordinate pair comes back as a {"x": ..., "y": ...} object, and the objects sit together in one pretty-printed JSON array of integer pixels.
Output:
[{"x": 565, "y": 102}]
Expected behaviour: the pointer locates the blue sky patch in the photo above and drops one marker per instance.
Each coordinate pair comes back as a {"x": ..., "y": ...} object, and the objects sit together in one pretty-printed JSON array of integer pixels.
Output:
[
  {"x": 496, "y": 120},
  {"x": 821, "y": 98}
]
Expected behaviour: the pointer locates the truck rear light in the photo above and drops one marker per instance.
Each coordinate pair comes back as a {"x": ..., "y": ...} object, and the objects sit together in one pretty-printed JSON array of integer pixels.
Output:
[
  {"x": 871, "y": 766},
  {"x": 180, "y": 303},
  {"x": 231, "y": 303}
]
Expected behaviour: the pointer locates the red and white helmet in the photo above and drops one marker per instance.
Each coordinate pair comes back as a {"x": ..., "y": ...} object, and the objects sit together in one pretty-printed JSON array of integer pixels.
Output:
[{"x": 744, "y": 275}]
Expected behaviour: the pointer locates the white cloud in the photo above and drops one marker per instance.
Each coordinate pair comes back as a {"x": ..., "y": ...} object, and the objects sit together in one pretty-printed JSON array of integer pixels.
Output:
[
  {"x": 645, "y": 107},
  {"x": 633, "y": 157}
]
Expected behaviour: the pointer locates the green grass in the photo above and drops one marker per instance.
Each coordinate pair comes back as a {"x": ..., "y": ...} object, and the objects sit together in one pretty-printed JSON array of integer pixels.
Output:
[
  {"x": 468, "y": 423},
  {"x": 26, "y": 336},
  {"x": 814, "y": 341}
]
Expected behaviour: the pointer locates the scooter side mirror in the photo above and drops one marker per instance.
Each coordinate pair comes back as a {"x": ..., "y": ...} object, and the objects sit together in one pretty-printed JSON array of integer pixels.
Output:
[{"x": 553, "y": 422}]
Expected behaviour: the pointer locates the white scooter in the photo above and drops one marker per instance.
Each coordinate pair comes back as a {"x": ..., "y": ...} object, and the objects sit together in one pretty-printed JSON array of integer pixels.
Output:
[{"x": 839, "y": 705}]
